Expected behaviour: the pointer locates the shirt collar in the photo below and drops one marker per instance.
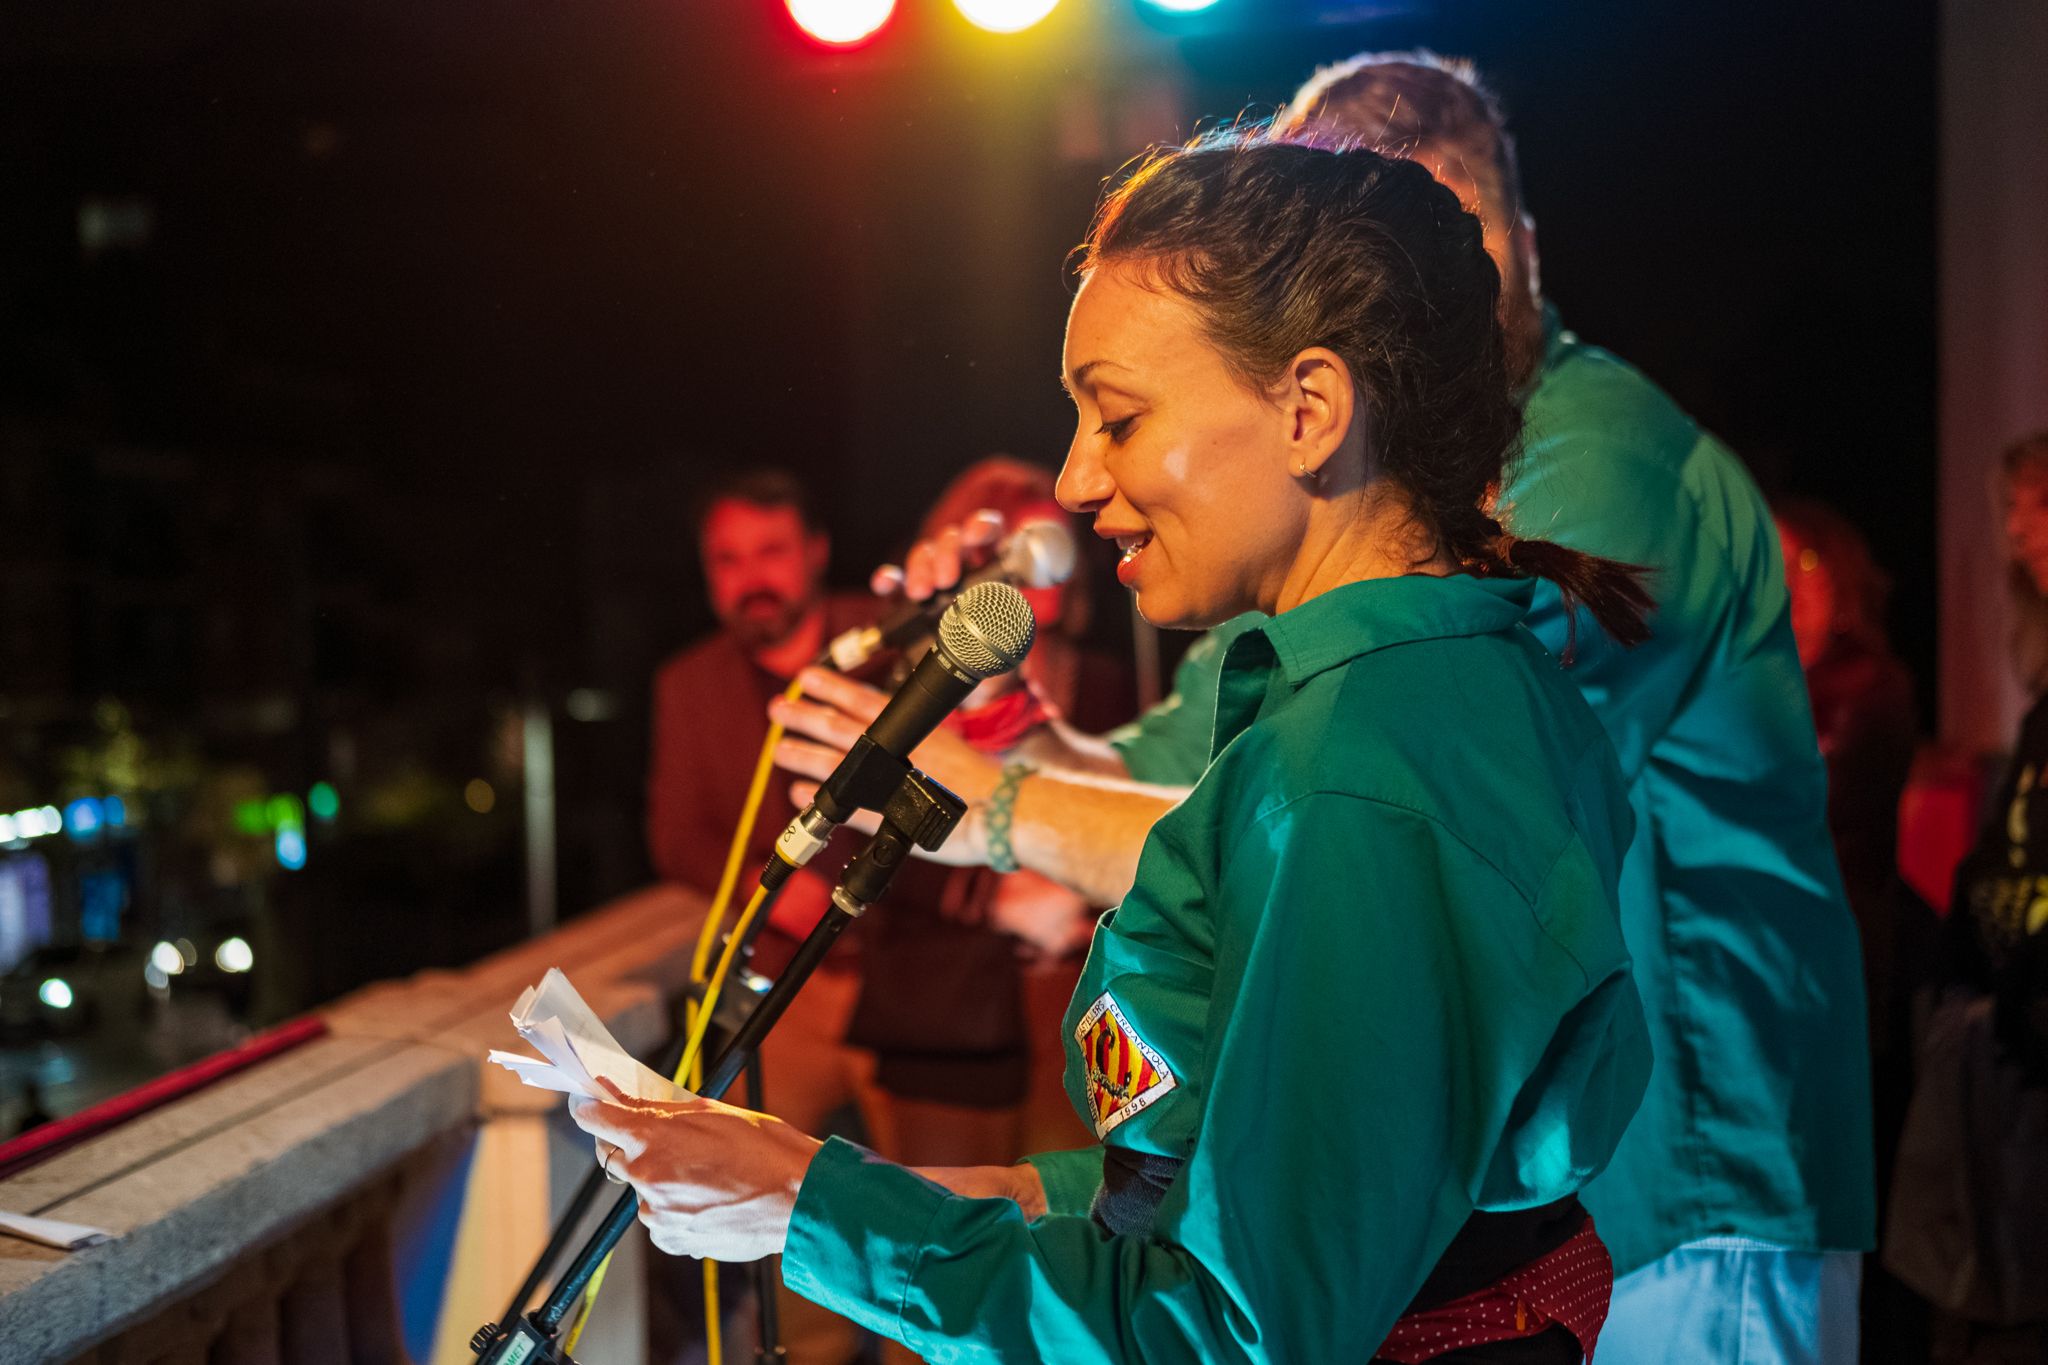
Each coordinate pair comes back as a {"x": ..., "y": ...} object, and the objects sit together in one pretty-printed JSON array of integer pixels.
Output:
[{"x": 1358, "y": 618}]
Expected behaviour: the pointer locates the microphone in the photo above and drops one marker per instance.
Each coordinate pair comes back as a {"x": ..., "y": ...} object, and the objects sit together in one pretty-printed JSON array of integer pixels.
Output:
[
  {"x": 986, "y": 631},
  {"x": 1038, "y": 554}
]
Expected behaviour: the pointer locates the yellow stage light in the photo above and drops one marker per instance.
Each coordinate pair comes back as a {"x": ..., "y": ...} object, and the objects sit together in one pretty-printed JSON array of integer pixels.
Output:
[{"x": 1005, "y": 16}]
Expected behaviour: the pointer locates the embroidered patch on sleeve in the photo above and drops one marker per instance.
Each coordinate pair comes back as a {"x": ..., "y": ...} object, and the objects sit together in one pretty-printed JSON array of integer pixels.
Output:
[{"x": 1124, "y": 1073}]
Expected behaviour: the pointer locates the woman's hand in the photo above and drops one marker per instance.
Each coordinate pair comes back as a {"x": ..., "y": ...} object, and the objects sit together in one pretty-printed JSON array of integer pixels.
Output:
[
  {"x": 836, "y": 711},
  {"x": 714, "y": 1181},
  {"x": 937, "y": 564},
  {"x": 1020, "y": 1184},
  {"x": 1047, "y": 920}
]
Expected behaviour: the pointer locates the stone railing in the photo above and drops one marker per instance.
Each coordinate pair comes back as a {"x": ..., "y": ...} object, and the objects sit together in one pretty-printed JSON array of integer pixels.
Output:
[{"x": 373, "y": 1196}]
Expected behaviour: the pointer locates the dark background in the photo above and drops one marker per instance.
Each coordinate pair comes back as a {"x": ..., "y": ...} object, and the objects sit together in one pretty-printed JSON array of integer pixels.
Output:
[{"x": 357, "y": 360}]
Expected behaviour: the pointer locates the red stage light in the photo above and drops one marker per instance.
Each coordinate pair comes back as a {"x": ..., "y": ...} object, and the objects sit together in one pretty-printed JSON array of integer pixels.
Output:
[{"x": 841, "y": 23}]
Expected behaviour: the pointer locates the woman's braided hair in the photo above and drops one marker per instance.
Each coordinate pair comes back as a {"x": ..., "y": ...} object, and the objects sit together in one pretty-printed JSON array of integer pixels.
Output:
[{"x": 1282, "y": 246}]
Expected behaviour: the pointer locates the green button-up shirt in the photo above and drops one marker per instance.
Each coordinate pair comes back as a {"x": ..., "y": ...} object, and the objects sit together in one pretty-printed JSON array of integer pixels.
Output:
[
  {"x": 1369, "y": 979},
  {"x": 1757, "y": 1121}
]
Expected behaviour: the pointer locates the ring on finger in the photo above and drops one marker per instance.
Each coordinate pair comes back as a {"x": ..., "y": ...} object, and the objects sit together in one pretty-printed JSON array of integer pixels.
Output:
[{"x": 608, "y": 1175}]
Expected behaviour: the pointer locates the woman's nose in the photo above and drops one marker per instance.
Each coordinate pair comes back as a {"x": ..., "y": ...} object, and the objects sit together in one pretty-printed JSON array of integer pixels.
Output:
[{"x": 1084, "y": 483}]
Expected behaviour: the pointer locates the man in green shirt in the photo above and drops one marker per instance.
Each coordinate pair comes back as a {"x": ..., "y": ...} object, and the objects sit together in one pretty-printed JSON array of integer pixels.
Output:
[{"x": 1743, "y": 1190}]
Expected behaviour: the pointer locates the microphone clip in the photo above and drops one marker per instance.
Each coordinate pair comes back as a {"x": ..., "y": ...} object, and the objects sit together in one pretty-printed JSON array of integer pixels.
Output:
[
  {"x": 868, "y": 778},
  {"x": 865, "y": 780},
  {"x": 922, "y": 812}
]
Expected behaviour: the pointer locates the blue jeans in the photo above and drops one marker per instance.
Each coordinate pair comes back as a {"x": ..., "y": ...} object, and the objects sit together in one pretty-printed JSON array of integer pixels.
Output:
[{"x": 1735, "y": 1301}]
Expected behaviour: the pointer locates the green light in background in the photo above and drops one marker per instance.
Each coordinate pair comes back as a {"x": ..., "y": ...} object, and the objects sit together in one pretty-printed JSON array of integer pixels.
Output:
[
  {"x": 286, "y": 812},
  {"x": 250, "y": 817},
  {"x": 323, "y": 801}
]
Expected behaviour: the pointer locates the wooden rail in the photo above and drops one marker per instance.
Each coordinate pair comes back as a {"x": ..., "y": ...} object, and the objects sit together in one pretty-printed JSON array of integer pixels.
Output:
[{"x": 369, "y": 1197}]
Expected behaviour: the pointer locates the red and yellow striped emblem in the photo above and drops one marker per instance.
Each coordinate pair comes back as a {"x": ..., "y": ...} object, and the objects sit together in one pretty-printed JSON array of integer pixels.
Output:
[{"x": 1124, "y": 1074}]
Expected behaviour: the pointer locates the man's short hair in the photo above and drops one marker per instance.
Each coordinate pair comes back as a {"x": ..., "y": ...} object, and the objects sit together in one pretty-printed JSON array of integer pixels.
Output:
[
  {"x": 760, "y": 488},
  {"x": 1405, "y": 103}
]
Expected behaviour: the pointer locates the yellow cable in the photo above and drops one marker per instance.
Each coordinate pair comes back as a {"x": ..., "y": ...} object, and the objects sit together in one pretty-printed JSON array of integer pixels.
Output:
[
  {"x": 695, "y": 1046},
  {"x": 714, "y": 1344},
  {"x": 583, "y": 1314},
  {"x": 697, "y": 1016},
  {"x": 736, "y": 852},
  {"x": 693, "y": 1066}
]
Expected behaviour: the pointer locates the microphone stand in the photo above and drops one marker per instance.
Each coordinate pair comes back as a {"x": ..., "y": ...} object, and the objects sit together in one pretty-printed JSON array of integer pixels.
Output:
[
  {"x": 921, "y": 813},
  {"x": 593, "y": 1181},
  {"x": 761, "y": 1272}
]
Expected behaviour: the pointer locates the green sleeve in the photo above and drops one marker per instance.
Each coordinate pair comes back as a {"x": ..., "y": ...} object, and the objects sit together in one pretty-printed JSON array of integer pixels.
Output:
[
  {"x": 1376, "y": 1051},
  {"x": 1169, "y": 744},
  {"x": 1071, "y": 1178}
]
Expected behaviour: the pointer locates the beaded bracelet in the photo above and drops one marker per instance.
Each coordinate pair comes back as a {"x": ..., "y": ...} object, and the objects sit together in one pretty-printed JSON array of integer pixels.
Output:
[{"x": 1000, "y": 816}]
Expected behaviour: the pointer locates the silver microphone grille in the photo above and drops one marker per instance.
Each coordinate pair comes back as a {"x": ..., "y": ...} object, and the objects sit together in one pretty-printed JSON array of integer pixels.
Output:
[
  {"x": 988, "y": 629},
  {"x": 1039, "y": 554}
]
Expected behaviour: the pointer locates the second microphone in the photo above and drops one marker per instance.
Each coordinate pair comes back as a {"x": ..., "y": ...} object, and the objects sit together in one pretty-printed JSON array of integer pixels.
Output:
[{"x": 985, "y": 632}]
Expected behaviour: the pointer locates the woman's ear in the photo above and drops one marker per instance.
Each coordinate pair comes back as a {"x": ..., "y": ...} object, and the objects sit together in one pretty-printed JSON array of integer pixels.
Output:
[{"x": 1323, "y": 408}]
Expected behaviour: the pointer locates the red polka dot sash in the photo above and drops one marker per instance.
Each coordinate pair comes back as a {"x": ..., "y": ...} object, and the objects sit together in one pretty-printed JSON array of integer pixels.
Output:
[{"x": 1567, "y": 1288}]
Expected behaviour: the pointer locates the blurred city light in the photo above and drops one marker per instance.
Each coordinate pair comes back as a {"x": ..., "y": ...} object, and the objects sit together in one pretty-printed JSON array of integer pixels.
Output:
[
  {"x": 479, "y": 796},
  {"x": 102, "y": 896},
  {"x": 114, "y": 223},
  {"x": 1005, "y": 16},
  {"x": 268, "y": 815},
  {"x": 167, "y": 960},
  {"x": 8, "y": 833},
  {"x": 234, "y": 955},
  {"x": 286, "y": 812},
  {"x": 291, "y": 848},
  {"x": 116, "y": 811},
  {"x": 1180, "y": 6},
  {"x": 841, "y": 23},
  {"x": 323, "y": 801},
  {"x": 82, "y": 817},
  {"x": 56, "y": 993},
  {"x": 591, "y": 704},
  {"x": 155, "y": 977}
]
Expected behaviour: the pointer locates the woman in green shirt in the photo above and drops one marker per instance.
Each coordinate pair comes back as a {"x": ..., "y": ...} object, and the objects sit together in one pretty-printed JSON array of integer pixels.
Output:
[{"x": 1364, "y": 1024}]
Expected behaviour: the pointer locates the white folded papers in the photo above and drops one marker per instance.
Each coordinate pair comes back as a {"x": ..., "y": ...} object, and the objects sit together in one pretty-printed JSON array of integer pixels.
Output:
[
  {"x": 578, "y": 1048},
  {"x": 51, "y": 1233}
]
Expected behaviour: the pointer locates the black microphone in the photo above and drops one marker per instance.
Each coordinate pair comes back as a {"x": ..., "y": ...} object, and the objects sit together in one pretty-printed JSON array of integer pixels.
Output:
[
  {"x": 986, "y": 631},
  {"x": 1038, "y": 554}
]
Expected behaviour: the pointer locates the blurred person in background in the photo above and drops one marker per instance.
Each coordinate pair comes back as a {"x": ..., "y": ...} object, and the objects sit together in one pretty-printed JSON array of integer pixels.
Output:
[
  {"x": 916, "y": 1020},
  {"x": 1864, "y": 714},
  {"x": 1742, "y": 1196},
  {"x": 764, "y": 553},
  {"x": 997, "y": 957},
  {"x": 1968, "y": 1224}
]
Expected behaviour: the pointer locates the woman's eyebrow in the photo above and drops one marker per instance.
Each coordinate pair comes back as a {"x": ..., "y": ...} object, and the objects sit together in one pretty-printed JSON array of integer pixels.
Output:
[{"x": 1080, "y": 377}]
